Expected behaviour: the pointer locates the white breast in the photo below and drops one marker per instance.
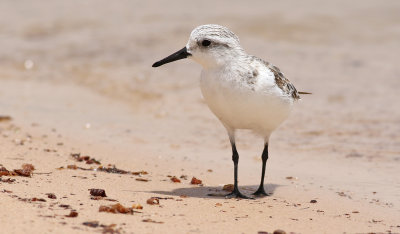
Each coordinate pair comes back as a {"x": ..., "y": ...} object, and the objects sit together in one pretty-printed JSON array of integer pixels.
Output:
[{"x": 260, "y": 106}]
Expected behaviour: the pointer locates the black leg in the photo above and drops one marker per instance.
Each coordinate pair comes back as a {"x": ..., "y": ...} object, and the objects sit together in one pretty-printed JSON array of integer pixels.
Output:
[
  {"x": 235, "y": 158},
  {"x": 260, "y": 191}
]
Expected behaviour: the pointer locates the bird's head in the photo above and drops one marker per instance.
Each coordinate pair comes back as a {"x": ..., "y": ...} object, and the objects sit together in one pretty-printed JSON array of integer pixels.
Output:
[{"x": 210, "y": 45}]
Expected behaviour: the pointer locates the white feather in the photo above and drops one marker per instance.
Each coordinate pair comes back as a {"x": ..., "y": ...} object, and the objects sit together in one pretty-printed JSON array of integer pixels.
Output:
[{"x": 239, "y": 102}]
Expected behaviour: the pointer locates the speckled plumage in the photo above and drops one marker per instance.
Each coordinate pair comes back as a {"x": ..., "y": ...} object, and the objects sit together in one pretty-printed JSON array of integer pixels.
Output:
[
  {"x": 243, "y": 91},
  {"x": 280, "y": 80},
  {"x": 235, "y": 84}
]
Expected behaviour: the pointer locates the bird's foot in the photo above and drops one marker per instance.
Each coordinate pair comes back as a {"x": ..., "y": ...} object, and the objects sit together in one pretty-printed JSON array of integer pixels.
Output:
[
  {"x": 260, "y": 192},
  {"x": 236, "y": 194}
]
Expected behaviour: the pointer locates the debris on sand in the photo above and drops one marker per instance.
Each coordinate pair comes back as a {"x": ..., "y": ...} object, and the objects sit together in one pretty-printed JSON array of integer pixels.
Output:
[
  {"x": 375, "y": 221},
  {"x": 100, "y": 168},
  {"x": 139, "y": 173},
  {"x": 196, "y": 181},
  {"x": 116, "y": 208},
  {"x": 93, "y": 224},
  {"x": 97, "y": 198},
  {"x": 313, "y": 201},
  {"x": 151, "y": 221},
  {"x": 27, "y": 166},
  {"x": 164, "y": 198},
  {"x": 87, "y": 159},
  {"x": 109, "y": 168},
  {"x": 5, "y": 118},
  {"x": 228, "y": 187},
  {"x": 73, "y": 167},
  {"x": 72, "y": 214},
  {"x": 112, "y": 169},
  {"x": 8, "y": 180},
  {"x": 4, "y": 171},
  {"x": 342, "y": 194},
  {"x": 279, "y": 231},
  {"x": 291, "y": 178},
  {"x": 142, "y": 179},
  {"x": 51, "y": 195},
  {"x": 98, "y": 192},
  {"x": 110, "y": 228},
  {"x": 137, "y": 206},
  {"x": 26, "y": 171},
  {"x": 175, "y": 180},
  {"x": 37, "y": 199},
  {"x": 153, "y": 201},
  {"x": 106, "y": 228},
  {"x": 64, "y": 206}
]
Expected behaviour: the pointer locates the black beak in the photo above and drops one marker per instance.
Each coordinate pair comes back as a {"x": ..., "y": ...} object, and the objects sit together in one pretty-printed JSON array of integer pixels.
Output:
[{"x": 181, "y": 54}]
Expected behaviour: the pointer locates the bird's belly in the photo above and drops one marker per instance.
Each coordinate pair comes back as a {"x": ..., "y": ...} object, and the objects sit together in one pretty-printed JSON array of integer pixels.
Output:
[{"x": 240, "y": 108}]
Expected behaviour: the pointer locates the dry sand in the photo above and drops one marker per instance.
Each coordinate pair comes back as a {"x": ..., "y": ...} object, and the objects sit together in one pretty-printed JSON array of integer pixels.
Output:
[{"x": 75, "y": 77}]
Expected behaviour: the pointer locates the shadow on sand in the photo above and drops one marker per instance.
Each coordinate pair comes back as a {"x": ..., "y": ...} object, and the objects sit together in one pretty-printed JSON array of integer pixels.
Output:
[{"x": 215, "y": 192}]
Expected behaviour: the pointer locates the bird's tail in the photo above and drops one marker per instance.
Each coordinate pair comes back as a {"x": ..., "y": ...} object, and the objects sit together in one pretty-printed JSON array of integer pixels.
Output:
[{"x": 304, "y": 93}]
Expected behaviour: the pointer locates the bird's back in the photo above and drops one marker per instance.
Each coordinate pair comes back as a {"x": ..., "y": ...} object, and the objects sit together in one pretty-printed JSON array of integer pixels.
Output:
[{"x": 279, "y": 78}]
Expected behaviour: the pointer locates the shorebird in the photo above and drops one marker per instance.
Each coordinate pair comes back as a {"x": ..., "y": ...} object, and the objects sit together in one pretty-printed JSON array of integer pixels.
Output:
[{"x": 243, "y": 91}]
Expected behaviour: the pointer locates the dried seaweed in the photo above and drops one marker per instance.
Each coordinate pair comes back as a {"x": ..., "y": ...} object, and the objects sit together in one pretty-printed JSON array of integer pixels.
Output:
[
  {"x": 196, "y": 181},
  {"x": 117, "y": 209},
  {"x": 98, "y": 192}
]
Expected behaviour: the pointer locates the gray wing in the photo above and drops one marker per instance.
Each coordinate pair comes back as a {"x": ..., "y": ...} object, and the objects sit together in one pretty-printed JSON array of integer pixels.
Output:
[{"x": 282, "y": 82}]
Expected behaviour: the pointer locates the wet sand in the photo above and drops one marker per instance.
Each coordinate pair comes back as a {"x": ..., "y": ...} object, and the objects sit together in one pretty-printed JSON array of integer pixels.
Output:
[{"x": 84, "y": 84}]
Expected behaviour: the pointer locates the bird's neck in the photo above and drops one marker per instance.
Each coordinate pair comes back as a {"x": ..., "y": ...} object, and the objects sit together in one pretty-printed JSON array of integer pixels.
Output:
[{"x": 224, "y": 61}]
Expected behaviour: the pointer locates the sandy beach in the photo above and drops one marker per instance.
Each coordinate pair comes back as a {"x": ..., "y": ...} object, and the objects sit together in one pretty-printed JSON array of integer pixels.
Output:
[{"x": 80, "y": 102}]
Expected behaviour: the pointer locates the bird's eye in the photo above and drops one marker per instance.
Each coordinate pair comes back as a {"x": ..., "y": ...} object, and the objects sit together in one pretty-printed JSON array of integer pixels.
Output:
[{"x": 205, "y": 43}]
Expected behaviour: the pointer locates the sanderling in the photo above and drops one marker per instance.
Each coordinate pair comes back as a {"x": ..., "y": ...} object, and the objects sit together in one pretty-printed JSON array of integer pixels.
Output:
[{"x": 243, "y": 91}]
